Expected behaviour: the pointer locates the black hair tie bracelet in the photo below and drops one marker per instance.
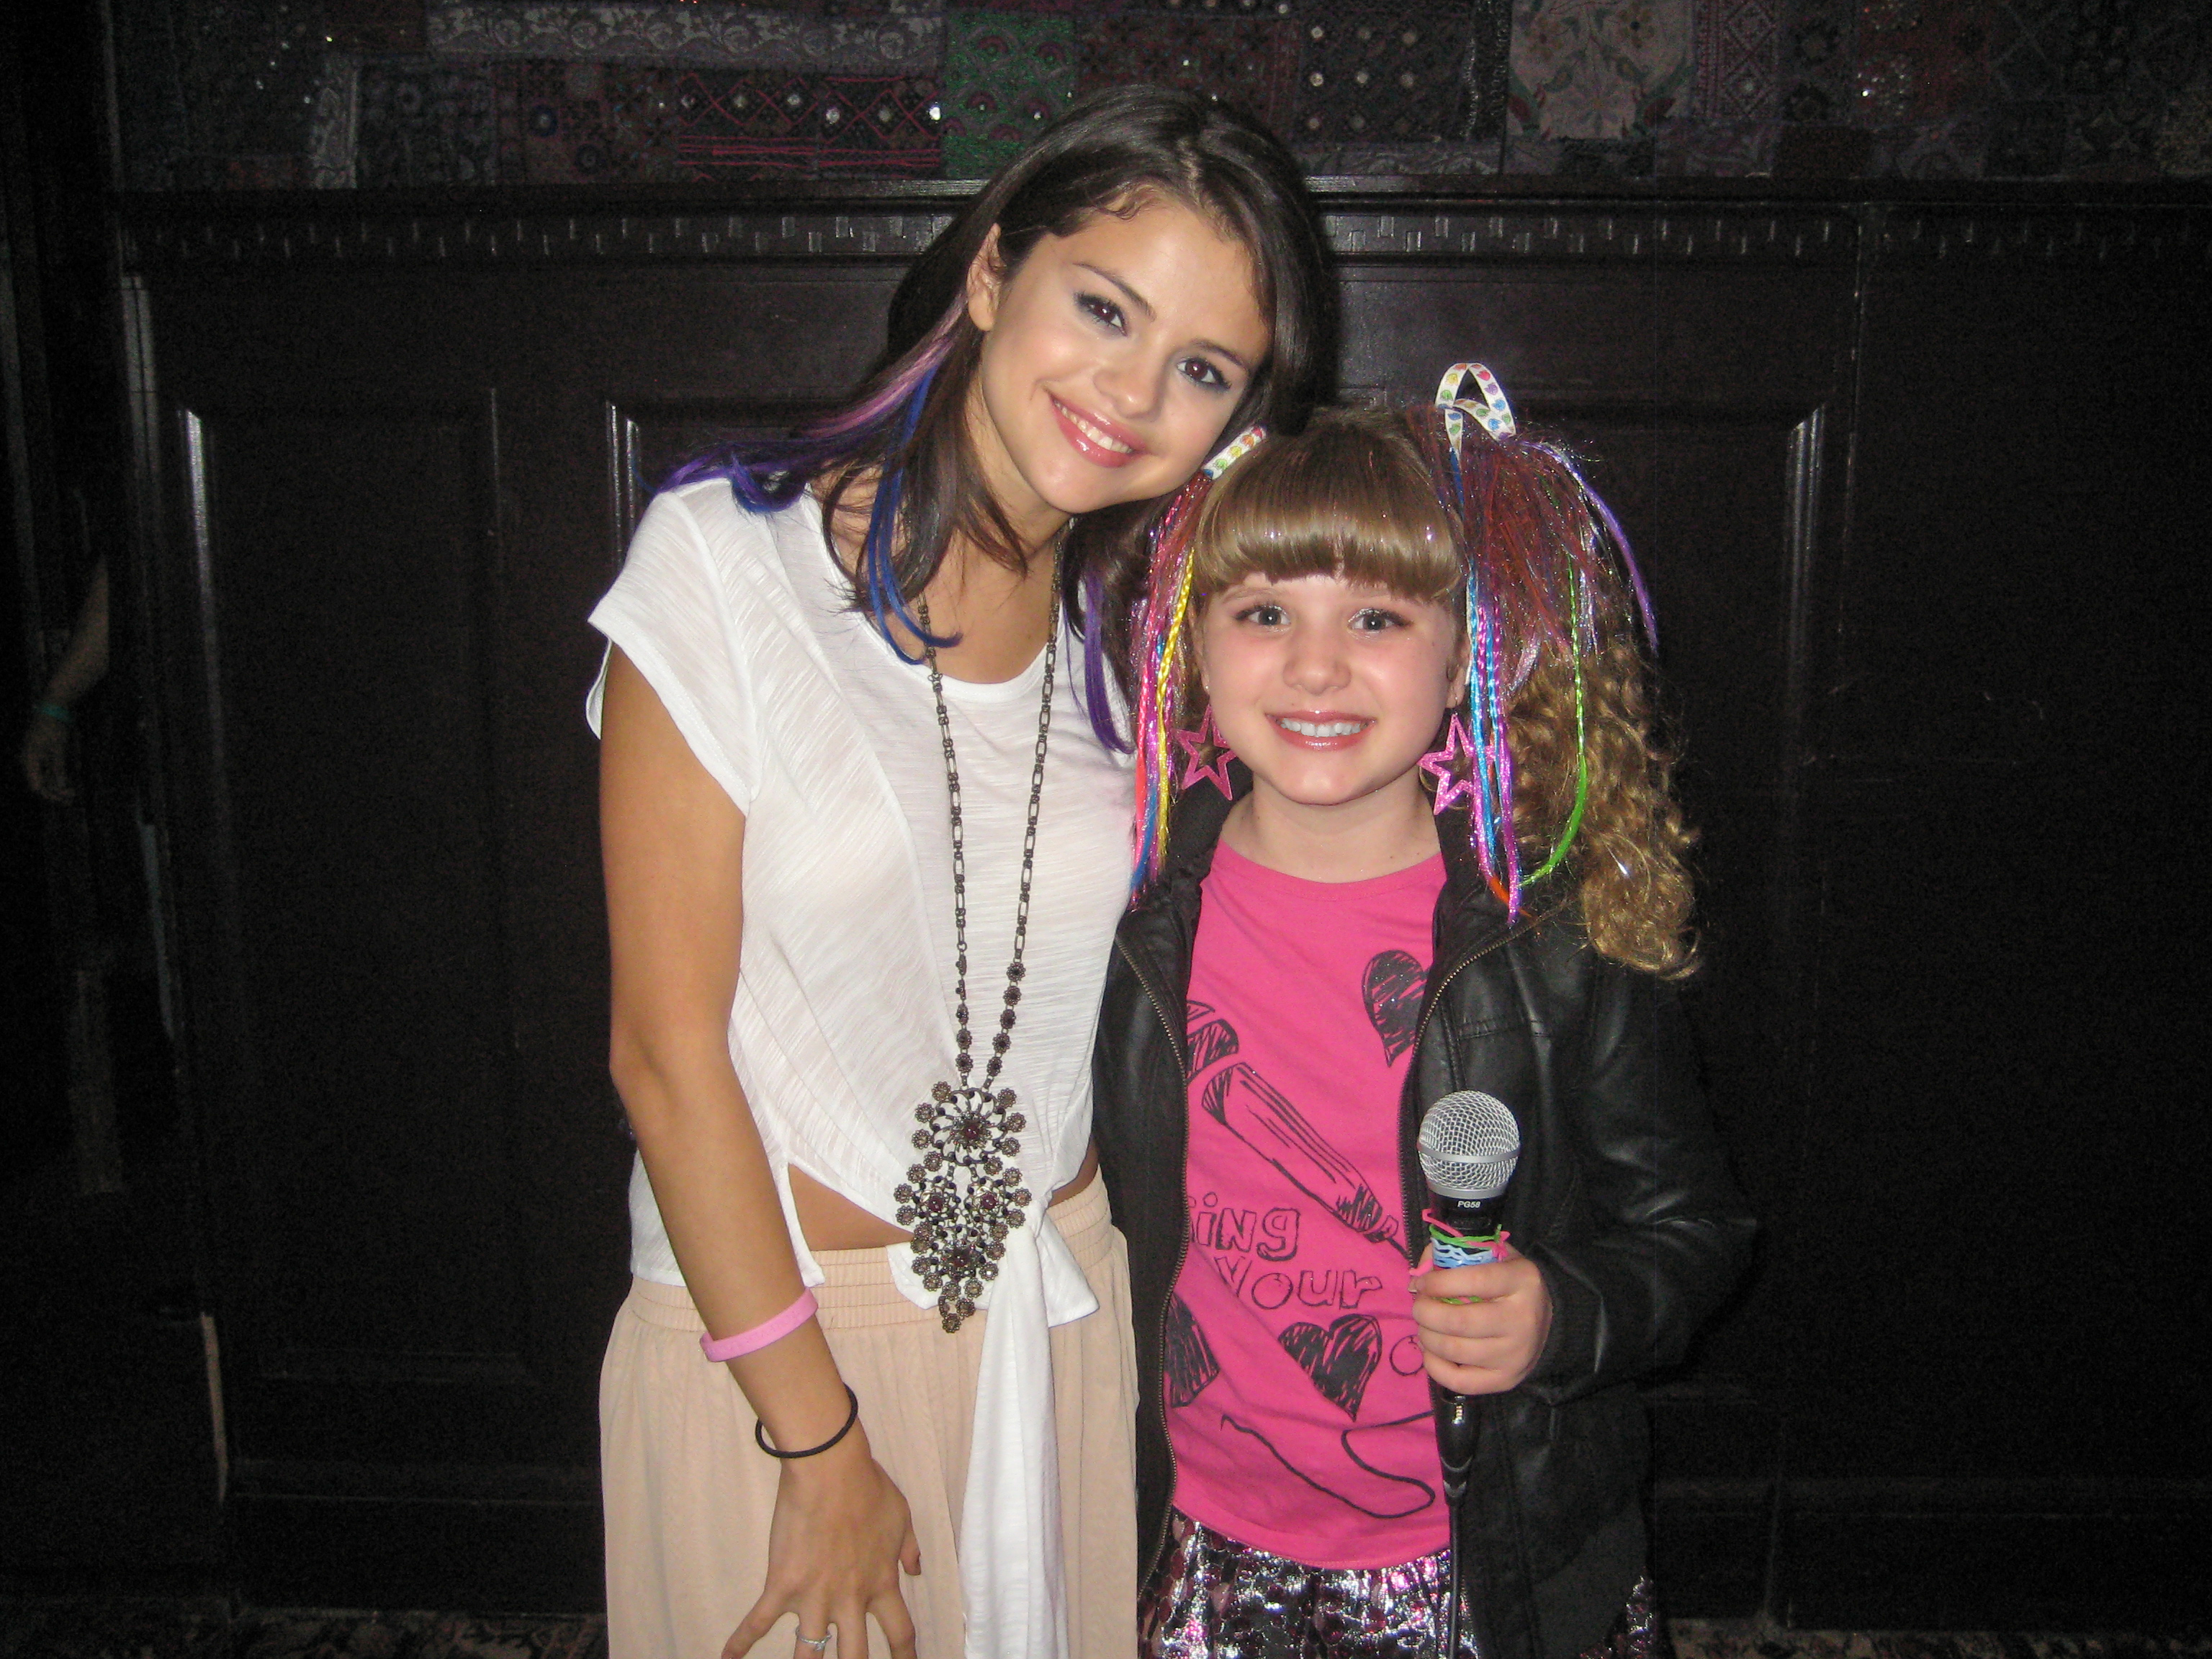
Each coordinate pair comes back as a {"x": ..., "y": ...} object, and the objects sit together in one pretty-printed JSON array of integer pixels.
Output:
[{"x": 852, "y": 1417}]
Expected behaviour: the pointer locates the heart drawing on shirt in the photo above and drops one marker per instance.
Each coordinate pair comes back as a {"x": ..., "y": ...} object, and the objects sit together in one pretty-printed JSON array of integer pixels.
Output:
[
  {"x": 1339, "y": 1359},
  {"x": 1188, "y": 1359},
  {"x": 1393, "y": 986},
  {"x": 1212, "y": 1039}
]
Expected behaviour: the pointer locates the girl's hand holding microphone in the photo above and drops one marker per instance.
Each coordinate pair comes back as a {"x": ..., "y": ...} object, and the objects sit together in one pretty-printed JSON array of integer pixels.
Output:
[{"x": 1482, "y": 1328}]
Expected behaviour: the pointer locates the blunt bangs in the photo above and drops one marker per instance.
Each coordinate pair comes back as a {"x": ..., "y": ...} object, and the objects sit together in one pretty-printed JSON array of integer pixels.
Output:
[{"x": 1350, "y": 496}]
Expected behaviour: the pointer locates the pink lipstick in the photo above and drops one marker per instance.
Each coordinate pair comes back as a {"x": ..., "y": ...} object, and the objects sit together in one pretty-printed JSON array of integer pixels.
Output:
[{"x": 1096, "y": 440}]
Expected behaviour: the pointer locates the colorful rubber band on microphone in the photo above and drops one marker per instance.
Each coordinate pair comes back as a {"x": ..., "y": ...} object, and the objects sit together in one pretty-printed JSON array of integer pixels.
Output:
[
  {"x": 719, "y": 1348},
  {"x": 1450, "y": 1248}
]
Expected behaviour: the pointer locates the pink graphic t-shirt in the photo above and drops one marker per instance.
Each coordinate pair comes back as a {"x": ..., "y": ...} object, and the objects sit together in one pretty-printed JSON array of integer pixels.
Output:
[{"x": 1297, "y": 1405}]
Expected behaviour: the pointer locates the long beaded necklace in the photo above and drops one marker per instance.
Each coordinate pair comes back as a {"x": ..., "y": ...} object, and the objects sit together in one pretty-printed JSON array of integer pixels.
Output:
[{"x": 965, "y": 1195}]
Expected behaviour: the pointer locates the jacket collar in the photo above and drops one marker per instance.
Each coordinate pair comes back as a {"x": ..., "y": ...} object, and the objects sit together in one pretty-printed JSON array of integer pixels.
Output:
[
  {"x": 1161, "y": 926},
  {"x": 1469, "y": 916},
  {"x": 1160, "y": 933},
  {"x": 1201, "y": 812}
]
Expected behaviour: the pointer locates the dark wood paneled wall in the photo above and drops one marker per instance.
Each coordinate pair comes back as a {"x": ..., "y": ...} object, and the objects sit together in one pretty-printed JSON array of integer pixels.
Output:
[{"x": 1917, "y": 485}]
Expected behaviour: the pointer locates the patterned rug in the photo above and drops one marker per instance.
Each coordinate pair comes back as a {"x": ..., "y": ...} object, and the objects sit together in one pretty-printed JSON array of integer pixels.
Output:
[
  {"x": 1701, "y": 1638},
  {"x": 87, "y": 1630},
  {"x": 189, "y": 1631}
]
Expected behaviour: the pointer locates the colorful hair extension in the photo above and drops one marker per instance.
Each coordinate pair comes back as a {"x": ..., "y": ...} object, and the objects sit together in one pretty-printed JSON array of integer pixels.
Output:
[
  {"x": 1163, "y": 636},
  {"x": 1538, "y": 540},
  {"x": 1096, "y": 704},
  {"x": 1161, "y": 626},
  {"x": 878, "y": 574},
  {"x": 766, "y": 475},
  {"x": 1541, "y": 551}
]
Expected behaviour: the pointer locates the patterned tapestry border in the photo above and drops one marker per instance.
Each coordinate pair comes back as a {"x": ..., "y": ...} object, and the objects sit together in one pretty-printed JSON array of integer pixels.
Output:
[
  {"x": 1739, "y": 62},
  {"x": 1007, "y": 76},
  {"x": 334, "y": 124},
  {"x": 1603, "y": 70},
  {"x": 1382, "y": 74},
  {"x": 1397, "y": 161},
  {"x": 705, "y": 34},
  {"x": 422, "y": 123},
  {"x": 369, "y": 94}
]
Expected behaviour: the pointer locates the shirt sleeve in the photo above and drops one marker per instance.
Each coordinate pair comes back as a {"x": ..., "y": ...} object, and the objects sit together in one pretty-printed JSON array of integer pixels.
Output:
[{"x": 675, "y": 612}]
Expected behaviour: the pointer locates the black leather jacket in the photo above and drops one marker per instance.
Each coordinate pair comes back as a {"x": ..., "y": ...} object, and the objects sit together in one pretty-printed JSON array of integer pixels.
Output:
[{"x": 1622, "y": 1199}]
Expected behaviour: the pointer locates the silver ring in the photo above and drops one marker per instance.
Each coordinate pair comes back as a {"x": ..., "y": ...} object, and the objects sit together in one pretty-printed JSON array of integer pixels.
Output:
[{"x": 818, "y": 1643}]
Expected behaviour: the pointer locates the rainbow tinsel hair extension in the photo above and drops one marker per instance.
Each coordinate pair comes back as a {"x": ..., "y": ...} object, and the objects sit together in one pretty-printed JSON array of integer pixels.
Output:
[
  {"x": 1541, "y": 546},
  {"x": 1548, "y": 575},
  {"x": 1161, "y": 642},
  {"x": 1163, "y": 637}
]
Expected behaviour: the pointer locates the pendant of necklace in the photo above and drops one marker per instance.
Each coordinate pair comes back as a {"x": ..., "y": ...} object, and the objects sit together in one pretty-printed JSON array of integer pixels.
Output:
[{"x": 964, "y": 1195}]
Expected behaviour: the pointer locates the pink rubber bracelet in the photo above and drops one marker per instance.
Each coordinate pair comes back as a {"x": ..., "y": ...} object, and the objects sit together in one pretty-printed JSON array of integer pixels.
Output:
[{"x": 719, "y": 1348}]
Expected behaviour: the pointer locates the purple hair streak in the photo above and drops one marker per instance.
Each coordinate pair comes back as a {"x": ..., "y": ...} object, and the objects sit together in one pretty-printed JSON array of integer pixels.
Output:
[{"x": 767, "y": 473}]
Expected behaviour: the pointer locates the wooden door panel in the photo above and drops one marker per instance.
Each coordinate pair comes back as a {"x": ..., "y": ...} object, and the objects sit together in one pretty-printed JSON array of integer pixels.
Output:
[
  {"x": 648, "y": 437},
  {"x": 420, "y": 1208},
  {"x": 1631, "y": 330},
  {"x": 2011, "y": 976},
  {"x": 368, "y": 1145},
  {"x": 1946, "y": 786}
]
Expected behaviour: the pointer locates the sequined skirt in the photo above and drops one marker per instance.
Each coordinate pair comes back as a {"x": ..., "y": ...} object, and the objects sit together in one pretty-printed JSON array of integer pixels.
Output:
[{"x": 1214, "y": 1598}]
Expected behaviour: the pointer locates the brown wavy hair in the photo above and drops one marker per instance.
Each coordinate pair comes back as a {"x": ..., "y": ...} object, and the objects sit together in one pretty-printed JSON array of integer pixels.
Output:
[
  {"x": 1628, "y": 860},
  {"x": 1366, "y": 495}
]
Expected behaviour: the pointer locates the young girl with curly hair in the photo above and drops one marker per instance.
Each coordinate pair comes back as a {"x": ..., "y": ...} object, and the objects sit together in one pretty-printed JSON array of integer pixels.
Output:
[{"x": 1425, "y": 844}]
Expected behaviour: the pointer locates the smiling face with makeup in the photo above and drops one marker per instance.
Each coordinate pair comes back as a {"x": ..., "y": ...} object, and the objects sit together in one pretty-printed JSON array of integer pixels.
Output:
[{"x": 1112, "y": 359}]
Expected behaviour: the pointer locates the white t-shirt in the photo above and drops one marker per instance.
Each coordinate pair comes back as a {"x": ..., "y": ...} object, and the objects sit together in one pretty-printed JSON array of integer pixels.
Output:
[{"x": 843, "y": 1021}]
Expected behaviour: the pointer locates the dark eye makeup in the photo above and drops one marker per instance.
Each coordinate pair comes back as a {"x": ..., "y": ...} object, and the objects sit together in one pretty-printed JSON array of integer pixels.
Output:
[
  {"x": 1270, "y": 613},
  {"x": 1101, "y": 309},
  {"x": 1200, "y": 372}
]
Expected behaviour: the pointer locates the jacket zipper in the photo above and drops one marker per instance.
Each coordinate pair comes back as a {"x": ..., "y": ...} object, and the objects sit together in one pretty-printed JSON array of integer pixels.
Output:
[
  {"x": 1437, "y": 991},
  {"x": 1182, "y": 1255},
  {"x": 1434, "y": 1001}
]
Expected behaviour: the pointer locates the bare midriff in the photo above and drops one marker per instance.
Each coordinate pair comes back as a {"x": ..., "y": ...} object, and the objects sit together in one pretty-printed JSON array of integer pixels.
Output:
[{"x": 832, "y": 1222}]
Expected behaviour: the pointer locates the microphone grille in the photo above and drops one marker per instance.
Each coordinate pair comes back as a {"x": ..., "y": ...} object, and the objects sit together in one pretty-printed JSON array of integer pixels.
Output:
[{"x": 1469, "y": 1145}]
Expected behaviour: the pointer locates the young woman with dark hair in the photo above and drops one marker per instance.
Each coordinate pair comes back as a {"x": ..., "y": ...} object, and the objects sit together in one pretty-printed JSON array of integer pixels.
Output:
[{"x": 863, "y": 866}]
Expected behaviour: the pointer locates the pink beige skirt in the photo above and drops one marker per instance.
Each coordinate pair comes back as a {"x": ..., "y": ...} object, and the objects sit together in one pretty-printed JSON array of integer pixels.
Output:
[{"x": 688, "y": 1496}]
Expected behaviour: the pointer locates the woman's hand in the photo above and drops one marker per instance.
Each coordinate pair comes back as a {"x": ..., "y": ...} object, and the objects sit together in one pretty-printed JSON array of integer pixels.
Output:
[
  {"x": 840, "y": 1524},
  {"x": 1488, "y": 1345}
]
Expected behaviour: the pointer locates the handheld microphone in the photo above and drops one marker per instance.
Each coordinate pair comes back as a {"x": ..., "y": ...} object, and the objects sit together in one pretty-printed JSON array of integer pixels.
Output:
[{"x": 1470, "y": 1144}]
